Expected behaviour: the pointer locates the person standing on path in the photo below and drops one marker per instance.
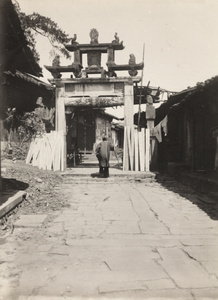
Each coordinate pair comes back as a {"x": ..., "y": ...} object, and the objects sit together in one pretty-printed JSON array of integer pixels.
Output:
[{"x": 103, "y": 154}]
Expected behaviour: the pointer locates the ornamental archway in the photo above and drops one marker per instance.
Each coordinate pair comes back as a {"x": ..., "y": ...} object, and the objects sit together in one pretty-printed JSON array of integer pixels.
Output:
[{"x": 105, "y": 89}]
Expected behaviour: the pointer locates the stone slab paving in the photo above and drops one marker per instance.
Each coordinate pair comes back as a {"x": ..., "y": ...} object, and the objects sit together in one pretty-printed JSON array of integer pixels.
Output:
[
  {"x": 188, "y": 274},
  {"x": 122, "y": 240}
]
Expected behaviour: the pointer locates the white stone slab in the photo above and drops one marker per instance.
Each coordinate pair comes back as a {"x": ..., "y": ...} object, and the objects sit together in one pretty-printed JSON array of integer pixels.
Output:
[
  {"x": 153, "y": 227},
  {"x": 188, "y": 274},
  {"x": 205, "y": 294},
  {"x": 126, "y": 227},
  {"x": 211, "y": 267},
  {"x": 30, "y": 221},
  {"x": 159, "y": 284},
  {"x": 170, "y": 254},
  {"x": 206, "y": 253},
  {"x": 124, "y": 258},
  {"x": 122, "y": 286},
  {"x": 199, "y": 240}
]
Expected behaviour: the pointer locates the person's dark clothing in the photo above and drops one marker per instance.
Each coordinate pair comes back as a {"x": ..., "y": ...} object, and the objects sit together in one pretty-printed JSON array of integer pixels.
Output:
[
  {"x": 106, "y": 172},
  {"x": 103, "y": 155}
]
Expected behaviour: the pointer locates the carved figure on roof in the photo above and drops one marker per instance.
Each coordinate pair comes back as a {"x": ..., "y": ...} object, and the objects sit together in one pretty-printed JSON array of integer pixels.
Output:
[
  {"x": 132, "y": 63},
  {"x": 116, "y": 41},
  {"x": 94, "y": 36},
  {"x": 73, "y": 40},
  {"x": 56, "y": 61},
  {"x": 132, "y": 59}
]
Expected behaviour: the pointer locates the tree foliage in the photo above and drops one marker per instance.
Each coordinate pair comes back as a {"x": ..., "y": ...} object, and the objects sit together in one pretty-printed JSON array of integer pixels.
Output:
[
  {"x": 34, "y": 24},
  {"x": 25, "y": 127}
]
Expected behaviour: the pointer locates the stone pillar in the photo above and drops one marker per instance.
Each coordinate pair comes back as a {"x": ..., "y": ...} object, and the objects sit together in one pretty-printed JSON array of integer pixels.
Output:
[
  {"x": 60, "y": 120},
  {"x": 110, "y": 55},
  {"x": 150, "y": 115},
  {"x": 128, "y": 103},
  {"x": 77, "y": 57},
  {"x": 60, "y": 92}
]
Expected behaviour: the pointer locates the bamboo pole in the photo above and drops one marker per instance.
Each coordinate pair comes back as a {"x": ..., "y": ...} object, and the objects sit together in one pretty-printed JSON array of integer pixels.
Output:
[
  {"x": 130, "y": 146},
  {"x": 147, "y": 150},
  {"x": 126, "y": 152},
  {"x": 136, "y": 151},
  {"x": 30, "y": 152},
  {"x": 143, "y": 149},
  {"x": 140, "y": 97}
]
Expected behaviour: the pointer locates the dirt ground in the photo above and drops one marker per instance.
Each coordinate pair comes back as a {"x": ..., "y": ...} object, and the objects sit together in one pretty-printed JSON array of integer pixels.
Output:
[{"x": 39, "y": 185}]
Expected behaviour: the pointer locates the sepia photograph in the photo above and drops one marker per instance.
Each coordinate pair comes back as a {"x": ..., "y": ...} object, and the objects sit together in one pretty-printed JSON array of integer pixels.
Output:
[{"x": 109, "y": 149}]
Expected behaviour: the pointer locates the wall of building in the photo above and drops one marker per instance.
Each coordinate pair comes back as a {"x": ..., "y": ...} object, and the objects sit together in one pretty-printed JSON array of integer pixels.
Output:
[
  {"x": 174, "y": 135},
  {"x": 190, "y": 131},
  {"x": 22, "y": 95},
  {"x": 117, "y": 136}
]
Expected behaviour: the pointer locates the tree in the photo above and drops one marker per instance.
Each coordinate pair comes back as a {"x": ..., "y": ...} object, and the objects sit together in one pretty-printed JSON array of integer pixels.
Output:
[
  {"x": 28, "y": 126},
  {"x": 37, "y": 24}
]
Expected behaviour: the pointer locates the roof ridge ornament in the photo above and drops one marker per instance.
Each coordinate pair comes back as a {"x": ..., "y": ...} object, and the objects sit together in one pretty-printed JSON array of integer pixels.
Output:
[
  {"x": 117, "y": 40},
  {"x": 94, "y": 36},
  {"x": 73, "y": 40}
]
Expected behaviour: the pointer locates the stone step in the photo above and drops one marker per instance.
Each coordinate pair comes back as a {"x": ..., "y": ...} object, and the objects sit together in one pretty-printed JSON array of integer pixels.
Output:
[
  {"x": 92, "y": 175},
  {"x": 110, "y": 180}
]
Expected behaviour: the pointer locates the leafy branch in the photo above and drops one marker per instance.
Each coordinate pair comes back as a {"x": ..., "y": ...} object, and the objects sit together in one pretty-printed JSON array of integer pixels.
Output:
[
  {"x": 26, "y": 127},
  {"x": 35, "y": 23}
]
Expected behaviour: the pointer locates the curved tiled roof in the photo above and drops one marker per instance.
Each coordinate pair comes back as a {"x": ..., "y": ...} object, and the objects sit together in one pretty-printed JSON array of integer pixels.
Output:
[{"x": 30, "y": 78}]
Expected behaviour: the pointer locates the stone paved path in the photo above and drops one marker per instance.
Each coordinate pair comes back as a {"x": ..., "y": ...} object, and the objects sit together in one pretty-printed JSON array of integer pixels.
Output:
[{"x": 117, "y": 239}]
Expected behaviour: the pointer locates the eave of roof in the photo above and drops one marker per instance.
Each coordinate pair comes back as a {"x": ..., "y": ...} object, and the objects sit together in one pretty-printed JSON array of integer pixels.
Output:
[
  {"x": 200, "y": 86},
  {"x": 30, "y": 78},
  {"x": 109, "y": 115},
  {"x": 117, "y": 125}
]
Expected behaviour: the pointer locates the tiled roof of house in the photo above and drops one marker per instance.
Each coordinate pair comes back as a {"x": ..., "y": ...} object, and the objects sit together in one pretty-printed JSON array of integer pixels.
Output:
[{"x": 30, "y": 78}]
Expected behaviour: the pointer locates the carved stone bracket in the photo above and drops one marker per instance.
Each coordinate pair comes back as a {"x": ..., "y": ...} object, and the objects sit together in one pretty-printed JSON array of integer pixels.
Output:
[
  {"x": 56, "y": 71},
  {"x": 131, "y": 68}
]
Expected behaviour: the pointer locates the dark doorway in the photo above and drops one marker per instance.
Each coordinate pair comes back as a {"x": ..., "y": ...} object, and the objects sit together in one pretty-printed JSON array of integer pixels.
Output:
[{"x": 86, "y": 131}]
